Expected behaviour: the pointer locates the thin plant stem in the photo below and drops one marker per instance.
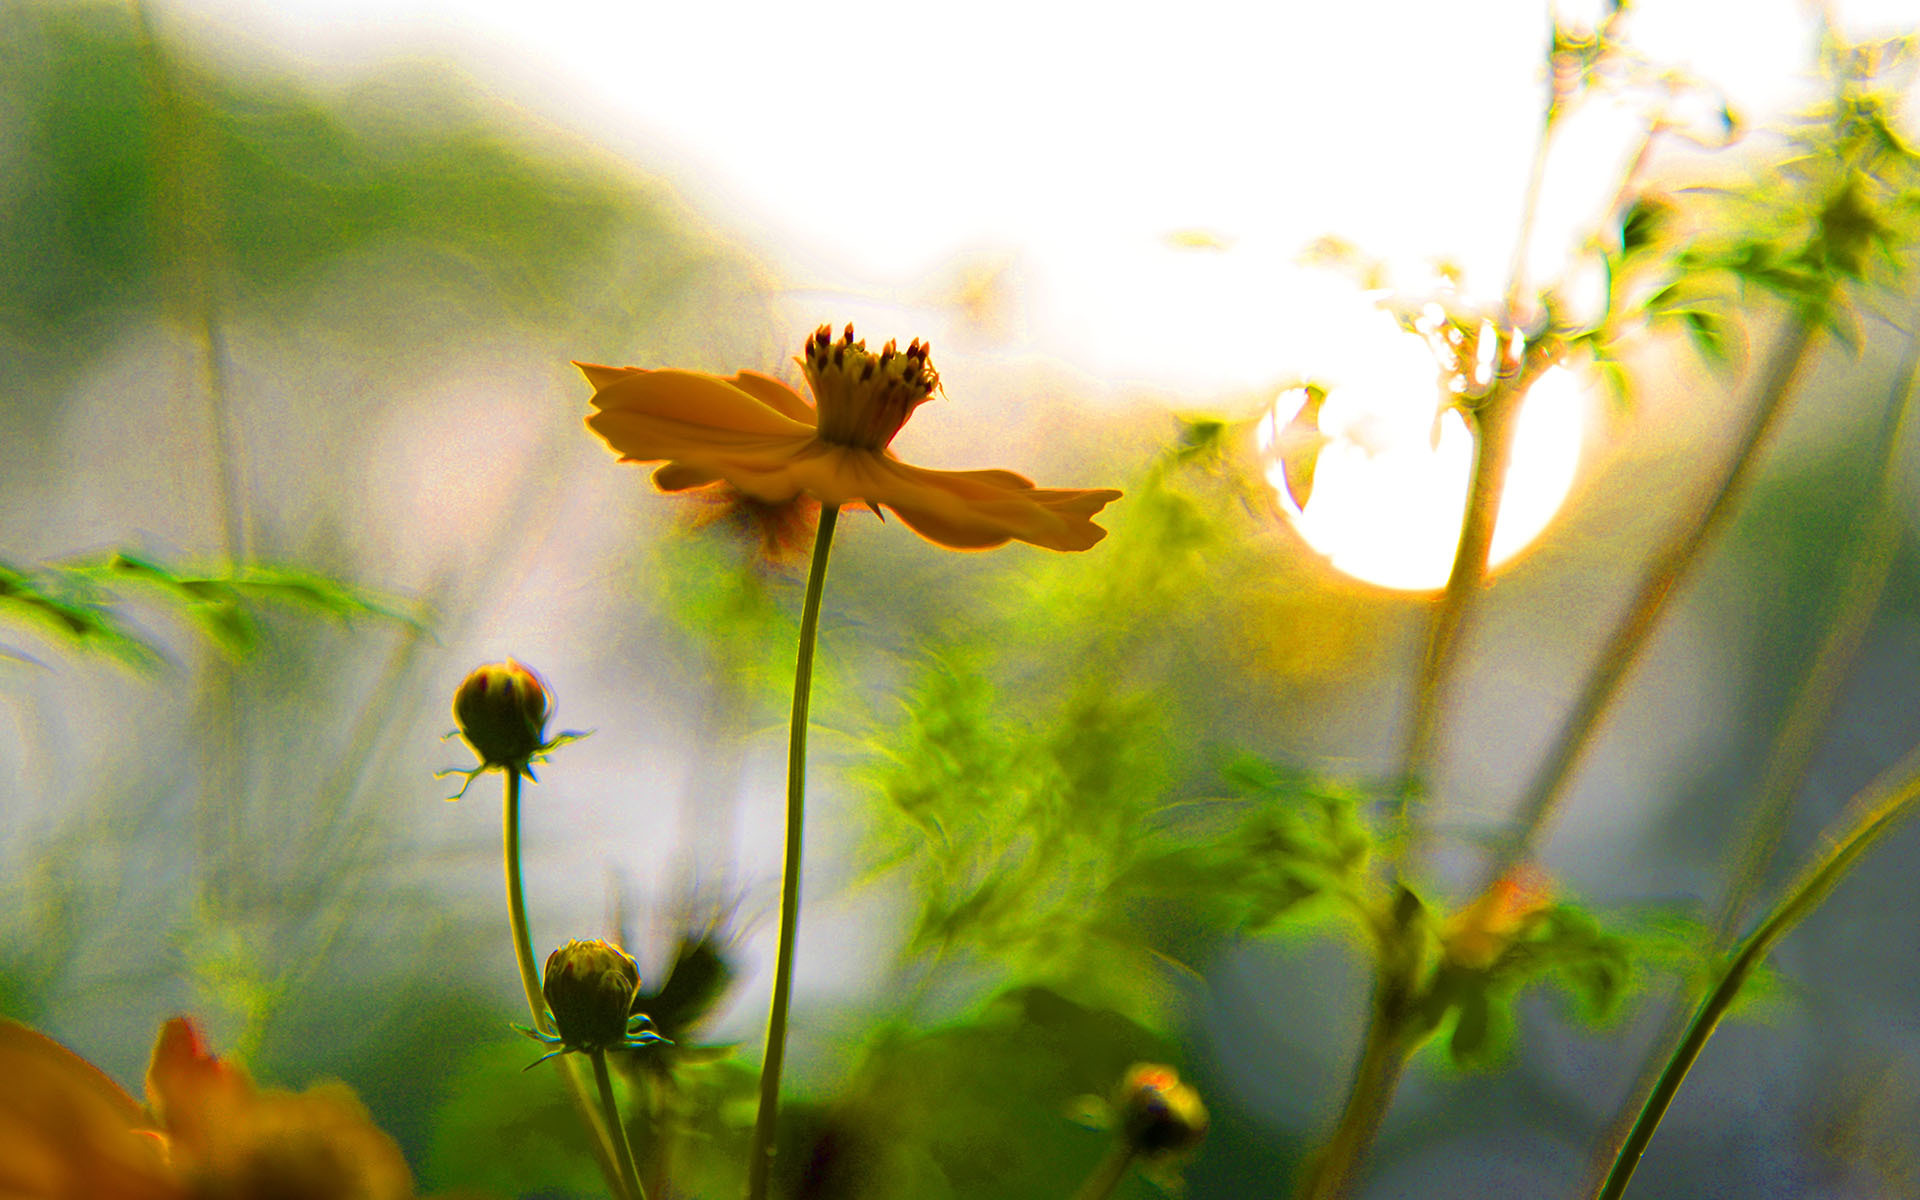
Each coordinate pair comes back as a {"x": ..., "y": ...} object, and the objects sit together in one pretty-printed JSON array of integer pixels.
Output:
[
  {"x": 760, "y": 1155},
  {"x": 629, "y": 1173},
  {"x": 598, "y": 1138},
  {"x": 1888, "y": 799},
  {"x": 1106, "y": 1177},
  {"x": 1869, "y": 564},
  {"x": 1634, "y": 630},
  {"x": 517, "y": 903}
]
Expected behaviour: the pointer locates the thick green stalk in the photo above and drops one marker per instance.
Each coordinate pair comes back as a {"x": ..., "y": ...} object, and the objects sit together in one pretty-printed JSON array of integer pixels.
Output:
[
  {"x": 597, "y": 1135},
  {"x": 629, "y": 1173},
  {"x": 1884, "y": 803},
  {"x": 1670, "y": 566},
  {"x": 1107, "y": 1176},
  {"x": 760, "y": 1160}
]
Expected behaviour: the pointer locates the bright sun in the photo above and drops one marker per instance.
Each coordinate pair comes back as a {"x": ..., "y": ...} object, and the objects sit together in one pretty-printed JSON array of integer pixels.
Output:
[{"x": 1388, "y": 495}]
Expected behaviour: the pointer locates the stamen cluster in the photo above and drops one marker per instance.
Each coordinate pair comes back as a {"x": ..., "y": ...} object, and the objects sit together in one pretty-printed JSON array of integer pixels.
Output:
[{"x": 864, "y": 398}]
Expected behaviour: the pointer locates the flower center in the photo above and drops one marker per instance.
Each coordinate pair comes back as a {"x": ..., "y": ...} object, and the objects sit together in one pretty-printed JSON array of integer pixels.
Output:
[{"x": 864, "y": 398}]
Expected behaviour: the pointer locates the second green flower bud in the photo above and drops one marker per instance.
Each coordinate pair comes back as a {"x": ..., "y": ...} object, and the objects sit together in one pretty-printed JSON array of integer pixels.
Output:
[{"x": 590, "y": 987}]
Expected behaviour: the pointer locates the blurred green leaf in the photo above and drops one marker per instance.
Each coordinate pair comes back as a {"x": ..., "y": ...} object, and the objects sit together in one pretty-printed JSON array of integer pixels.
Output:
[{"x": 60, "y": 600}]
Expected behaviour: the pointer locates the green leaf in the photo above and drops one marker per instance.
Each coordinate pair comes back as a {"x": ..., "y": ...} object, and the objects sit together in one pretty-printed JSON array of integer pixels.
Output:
[{"x": 58, "y": 601}]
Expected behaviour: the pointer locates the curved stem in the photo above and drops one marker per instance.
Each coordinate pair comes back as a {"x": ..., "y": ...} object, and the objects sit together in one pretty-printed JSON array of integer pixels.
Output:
[
  {"x": 1868, "y": 563},
  {"x": 1107, "y": 1176},
  {"x": 597, "y": 1137},
  {"x": 629, "y": 1174},
  {"x": 760, "y": 1160},
  {"x": 1671, "y": 565},
  {"x": 1883, "y": 804}
]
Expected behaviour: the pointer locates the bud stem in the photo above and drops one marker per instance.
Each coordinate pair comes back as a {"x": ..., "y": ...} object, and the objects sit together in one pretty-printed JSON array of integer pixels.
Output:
[
  {"x": 597, "y": 1137},
  {"x": 1107, "y": 1176},
  {"x": 760, "y": 1155},
  {"x": 628, "y": 1172}
]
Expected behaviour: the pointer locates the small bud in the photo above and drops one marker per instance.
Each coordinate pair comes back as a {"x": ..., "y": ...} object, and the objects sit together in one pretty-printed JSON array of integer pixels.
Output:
[
  {"x": 502, "y": 712},
  {"x": 590, "y": 986},
  {"x": 1159, "y": 1116}
]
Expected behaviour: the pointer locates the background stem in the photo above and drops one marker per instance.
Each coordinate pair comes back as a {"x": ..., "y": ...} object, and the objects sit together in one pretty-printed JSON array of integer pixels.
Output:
[
  {"x": 1884, "y": 802},
  {"x": 760, "y": 1155},
  {"x": 1867, "y": 561},
  {"x": 1670, "y": 566},
  {"x": 1493, "y": 450},
  {"x": 1375, "y": 1078}
]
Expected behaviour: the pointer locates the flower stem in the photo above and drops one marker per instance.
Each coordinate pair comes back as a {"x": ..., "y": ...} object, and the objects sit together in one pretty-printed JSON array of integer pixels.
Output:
[
  {"x": 760, "y": 1160},
  {"x": 597, "y": 1136},
  {"x": 1885, "y": 802},
  {"x": 517, "y": 904},
  {"x": 1670, "y": 566},
  {"x": 629, "y": 1173},
  {"x": 1107, "y": 1176}
]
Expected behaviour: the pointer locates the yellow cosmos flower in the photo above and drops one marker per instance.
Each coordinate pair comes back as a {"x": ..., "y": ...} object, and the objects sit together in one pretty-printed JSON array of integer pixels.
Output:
[
  {"x": 67, "y": 1132},
  {"x": 757, "y": 434}
]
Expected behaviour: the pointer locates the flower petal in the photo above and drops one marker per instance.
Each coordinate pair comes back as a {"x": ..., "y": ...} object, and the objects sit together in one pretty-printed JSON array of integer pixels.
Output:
[
  {"x": 704, "y": 428},
  {"x": 68, "y": 1131},
  {"x": 964, "y": 510},
  {"x": 775, "y": 395},
  {"x": 679, "y": 477},
  {"x": 600, "y": 376},
  {"x": 673, "y": 397}
]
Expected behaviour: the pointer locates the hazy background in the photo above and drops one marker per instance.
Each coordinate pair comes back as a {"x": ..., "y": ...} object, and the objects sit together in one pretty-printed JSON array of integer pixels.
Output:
[{"x": 300, "y": 283}]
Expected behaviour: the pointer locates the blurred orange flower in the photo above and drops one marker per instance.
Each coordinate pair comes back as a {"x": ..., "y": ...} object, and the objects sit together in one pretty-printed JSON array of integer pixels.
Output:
[
  {"x": 756, "y": 433},
  {"x": 1477, "y": 935},
  {"x": 67, "y": 1132}
]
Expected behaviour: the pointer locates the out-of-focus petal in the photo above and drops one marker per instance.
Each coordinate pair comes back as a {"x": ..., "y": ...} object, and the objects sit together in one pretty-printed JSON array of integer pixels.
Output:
[
  {"x": 668, "y": 398},
  {"x": 67, "y": 1132},
  {"x": 191, "y": 1092},
  {"x": 318, "y": 1143},
  {"x": 230, "y": 1138},
  {"x": 964, "y": 510}
]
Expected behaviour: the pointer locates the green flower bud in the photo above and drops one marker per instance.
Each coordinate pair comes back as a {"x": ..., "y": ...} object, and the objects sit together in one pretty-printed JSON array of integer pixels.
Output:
[
  {"x": 590, "y": 987},
  {"x": 502, "y": 712},
  {"x": 1159, "y": 1116}
]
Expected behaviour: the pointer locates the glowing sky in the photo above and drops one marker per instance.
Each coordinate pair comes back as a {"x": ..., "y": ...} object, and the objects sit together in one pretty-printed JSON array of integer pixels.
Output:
[{"x": 1132, "y": 191}]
